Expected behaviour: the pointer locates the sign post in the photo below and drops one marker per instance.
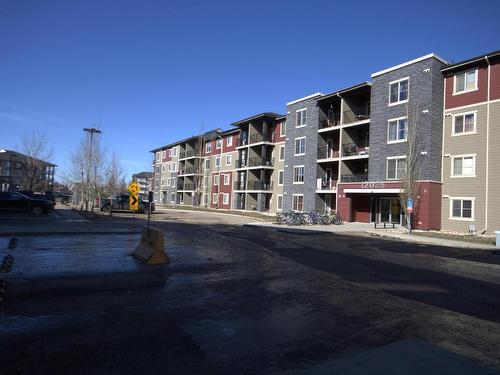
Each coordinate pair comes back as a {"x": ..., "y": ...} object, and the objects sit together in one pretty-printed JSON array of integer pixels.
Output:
[
  {"x": 150, "y": 199},
  {"x": 133, "y": 189},
  {"x": 409, "y": 209}
]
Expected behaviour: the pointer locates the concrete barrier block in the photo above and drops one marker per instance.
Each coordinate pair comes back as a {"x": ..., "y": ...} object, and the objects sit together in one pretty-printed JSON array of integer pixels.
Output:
[{"x": 151, "y": 248}]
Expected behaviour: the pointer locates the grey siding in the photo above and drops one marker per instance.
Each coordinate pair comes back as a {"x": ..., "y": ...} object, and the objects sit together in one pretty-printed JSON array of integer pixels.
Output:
[
  {"x": 426, "y": 94},
  {"x": 310, "y": 131}
]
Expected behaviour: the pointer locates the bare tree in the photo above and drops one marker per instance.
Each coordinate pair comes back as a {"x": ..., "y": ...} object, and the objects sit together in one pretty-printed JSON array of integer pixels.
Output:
[
  {"x": 113, "y": 176},
  {"x": 38, "y": 152},
  {"x": 409, "y": 184}
]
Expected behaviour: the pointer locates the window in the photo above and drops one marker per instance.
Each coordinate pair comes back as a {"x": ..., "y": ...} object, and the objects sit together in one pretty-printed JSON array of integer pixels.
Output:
[
  {"x": 397, "y": 130},
  {"x": 218, "y": 143},
  {"x": 463, "y": 166},
  {"x": 298, "y": 202},
  {"x": 283, "y": 129},
  {"x": 173, "y": 182},
  {"x": 172, "y": 198},
  {"x": 162, "y": 182},
  {"x": 298, "y": 174},
  {"x": 216, "y": 179},
  {"x": 208, "y": 147},
  {"x": 207, "y": 163},
  {"x": 300, "y": 146},
  {"x": 301, "y": 118},
  {"x": 279, "y": 203},
  {"x": 229, "y": 141},
  {"x": 226, "y": 179},
  {"x": 281, "y": 177},
  {"x": 398, "y": 91},
  {"x": 215, "y": 198},
  {"x": 169, "y": 153},
  {"x": 174, "y": 151},
  {"x": 169, "y": 167},
  {"x": 174, "y": 167},
  {"x": 165, "y": 153},
  {"x": 282, "y": 153},
  {"x": 225, "y": 198},
  {"x": 464, "y": 123},
  {"x": 229, "y": 159},
  {"x": 158, "y": 155},
  {"x": 217, "y": 162},
  {"x": 396, "y": 168},
  {"x": 169, "y": 181},
  {"x": 163, "y": 168},
  {"x": 206, "y": 181},
  {"x": 462, "y": 208},
  {"x": 465, "y": 81}
]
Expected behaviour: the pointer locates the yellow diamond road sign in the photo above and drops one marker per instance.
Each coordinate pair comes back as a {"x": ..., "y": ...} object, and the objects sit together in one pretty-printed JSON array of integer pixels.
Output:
[
  {"x": 133, "y": 188},
  {"x": 134, "y": 202}
]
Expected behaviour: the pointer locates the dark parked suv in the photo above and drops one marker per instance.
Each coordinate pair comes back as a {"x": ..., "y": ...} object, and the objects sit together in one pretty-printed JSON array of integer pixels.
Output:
[
  {"x": 15, "y": 201},
  {"x": 122, "y": 203}
]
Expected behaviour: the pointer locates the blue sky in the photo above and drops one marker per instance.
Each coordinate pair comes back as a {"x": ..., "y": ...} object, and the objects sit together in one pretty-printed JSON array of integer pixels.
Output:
[{"x": 152, "y": 72}]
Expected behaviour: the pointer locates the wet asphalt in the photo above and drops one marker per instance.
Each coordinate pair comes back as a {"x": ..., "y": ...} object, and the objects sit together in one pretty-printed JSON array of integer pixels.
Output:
[{"x": 235, "y": 299}]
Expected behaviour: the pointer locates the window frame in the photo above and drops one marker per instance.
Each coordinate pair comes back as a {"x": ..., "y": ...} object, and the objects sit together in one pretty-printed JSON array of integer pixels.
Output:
[
  {"x": 229, "y": 141},
  {"x": 279, "y": 199},
  {"x": 397, "y": 120},
  {"x": 463, "y": 114},
  {"x": 462, "y": 199},
  {"x": 452, "y": 166},
  {"x": 397, "y": 158},
  {"x": 218, "y": 143},
  {"x": 295, "y": 168},
  {"x": 216, "y": 180},
  {"x": 301, "y": 111},
  {"x": 398, "y": 81},
  {"x": 228, "y": 177},
  {"x": 280, "y": 154},
  {"x": 217, "y": 162},
  {"x": 215, "y": 198},
  {"x": 283, "y": 129},
  {"x": 464, "y": 91},
  {"x": 230, "y": 158},
  {"x": 208, "y": 147},
  {"x": 295, "y": 146},
  {"x": 293, "y": 202},
  {"x": 225, "y": 198},
  {"x": 281, "y": 173}
]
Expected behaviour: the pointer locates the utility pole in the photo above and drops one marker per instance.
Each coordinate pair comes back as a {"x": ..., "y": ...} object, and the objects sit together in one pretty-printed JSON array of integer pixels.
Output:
[{"x": 91, "y": 131}]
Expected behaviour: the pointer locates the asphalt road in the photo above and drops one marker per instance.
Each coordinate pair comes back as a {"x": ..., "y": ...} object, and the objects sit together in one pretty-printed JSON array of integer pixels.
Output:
[{"x": 235, "y": 299}]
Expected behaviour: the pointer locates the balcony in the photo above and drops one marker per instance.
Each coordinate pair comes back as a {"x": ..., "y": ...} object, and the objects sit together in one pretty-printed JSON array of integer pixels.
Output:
[
  {"x": 325, "y": 184},
  {"x": 326, "y": 152},
  {"x": 187, "y": 154},
  {"x": 351, "y": 149},
  {"x": 260, "y": 185},
  {"x": 354, "y": 178},
  {"x": 239, "y": 185},
  {"x": 256, "y": 138},
  {"x": 329, "y": 121},
  {"x": 243, "y": 140},
  {"x": 356, "y": 114},
  {"x": 188, "y": 170},
  {"x": 259, "y": 161},
  {"x": 241, "y": 163},
  {"x": 189, "y": 187},
  {"x": 239, "y": 204}
]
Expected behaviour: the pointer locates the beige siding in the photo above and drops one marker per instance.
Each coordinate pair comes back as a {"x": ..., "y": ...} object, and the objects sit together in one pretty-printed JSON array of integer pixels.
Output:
[
  {"x": 469, "y": 187},
  {"x": 494, "y": 169}
]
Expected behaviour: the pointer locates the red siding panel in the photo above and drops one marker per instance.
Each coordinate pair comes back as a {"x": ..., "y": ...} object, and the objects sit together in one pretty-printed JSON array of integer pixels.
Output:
[
  {"x": 234, "y": 144},
  {"x": 472, "y": 97},
  {"x": 277, "y": 131},
  {"x": 495, "y": 81}
]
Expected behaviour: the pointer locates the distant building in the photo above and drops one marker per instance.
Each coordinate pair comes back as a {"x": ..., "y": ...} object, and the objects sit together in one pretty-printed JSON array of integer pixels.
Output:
[
  {"x": 21, "y": 172},
  {"x": 143, "y": 179}
]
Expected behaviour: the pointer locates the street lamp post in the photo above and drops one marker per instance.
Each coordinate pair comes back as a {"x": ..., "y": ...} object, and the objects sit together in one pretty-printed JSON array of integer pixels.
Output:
[{"x": 91, "y": 131}]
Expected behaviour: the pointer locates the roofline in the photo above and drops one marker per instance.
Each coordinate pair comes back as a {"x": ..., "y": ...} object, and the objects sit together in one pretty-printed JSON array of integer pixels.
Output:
[
  {"x": 305, "y": 98},
  {"x": 343, "y": 91},
  {"x": 470, "y": 61},
  {"x": 21, "y": 155},
  {"x": 418, "y": 59},
  {"x": 264, "y": 114}
]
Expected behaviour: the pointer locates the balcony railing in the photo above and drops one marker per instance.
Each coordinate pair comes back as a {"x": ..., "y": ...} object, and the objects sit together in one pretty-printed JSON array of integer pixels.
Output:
[
  {"x": 259, "y": 161},
  {"x": 239, "y": 185},
  {"x": 239, "y": 204},
  {"x": 332, "y": 119},
  {"x": 189, "y": 187},
  {"x": 357, "y": 114},
  {"x": 352, "y": 149},
  {"x": 260, "y": 185},
  {"x": 241, "y": 163},
  {"x": 187, "y": 154},
  {"x": 243, "y": 140},
  {"x": 326, "y": 184},
  {"x": 327, "y": 153},
  {"x": 256, "y": 138},
  {"x": 354, "y": 178},
  {"x": 188, "y": 170}
]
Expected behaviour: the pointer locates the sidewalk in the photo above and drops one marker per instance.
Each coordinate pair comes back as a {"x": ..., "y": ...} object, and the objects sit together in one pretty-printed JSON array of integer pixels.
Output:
[{"x": 366, "y": 228}]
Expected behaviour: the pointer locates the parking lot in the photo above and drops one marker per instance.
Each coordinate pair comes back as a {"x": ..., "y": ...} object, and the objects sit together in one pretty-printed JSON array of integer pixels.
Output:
[{"x": 235, "y": 298}]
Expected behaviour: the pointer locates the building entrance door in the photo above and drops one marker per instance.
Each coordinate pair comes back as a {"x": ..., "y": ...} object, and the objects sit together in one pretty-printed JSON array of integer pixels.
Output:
[{"x": 390, "y": 210}]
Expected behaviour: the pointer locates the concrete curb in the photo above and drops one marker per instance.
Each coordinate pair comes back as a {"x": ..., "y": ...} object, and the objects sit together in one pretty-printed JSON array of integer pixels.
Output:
[
  {"x": 431, "y": 240},
  {"x": 209, "y": 212}
]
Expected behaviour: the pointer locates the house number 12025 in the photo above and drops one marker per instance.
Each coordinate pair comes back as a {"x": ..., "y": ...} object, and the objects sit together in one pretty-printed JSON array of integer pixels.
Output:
[{"x": 372, "y": 185}]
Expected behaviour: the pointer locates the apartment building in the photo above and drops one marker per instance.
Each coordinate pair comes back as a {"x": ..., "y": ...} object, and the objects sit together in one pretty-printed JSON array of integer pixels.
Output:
[
  {"x": 404, "y": 99},
  {"x": 143, "y": 179},
  {"x": 471, "y": 135},
  {"x": 254, "y": 186}
]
